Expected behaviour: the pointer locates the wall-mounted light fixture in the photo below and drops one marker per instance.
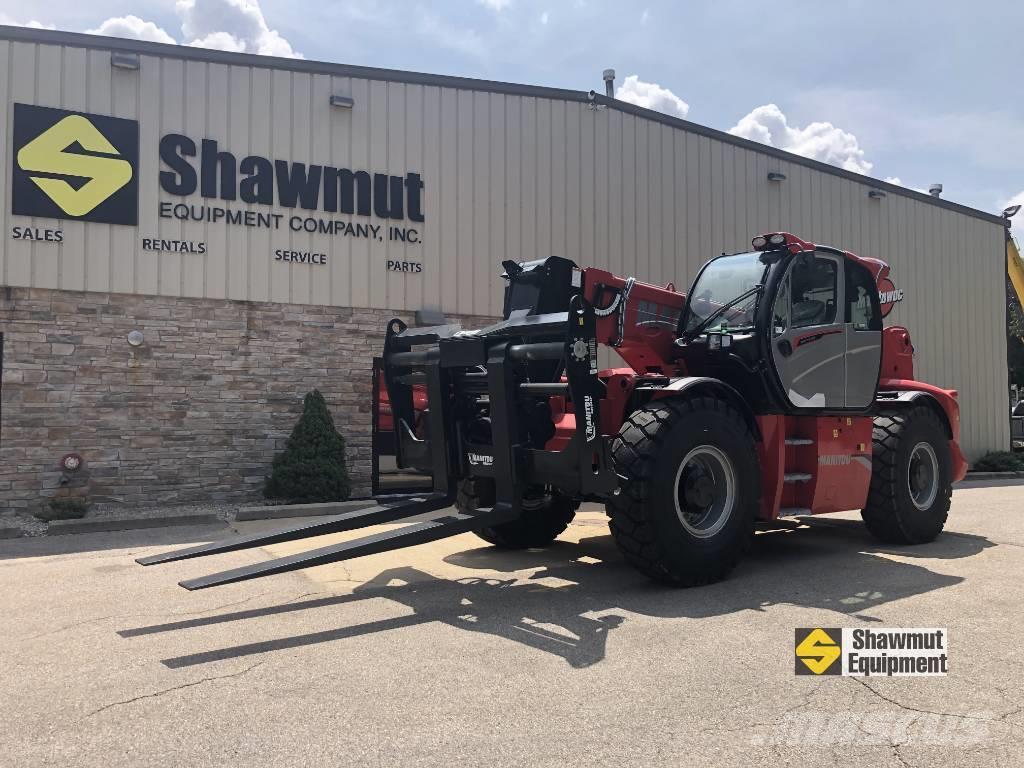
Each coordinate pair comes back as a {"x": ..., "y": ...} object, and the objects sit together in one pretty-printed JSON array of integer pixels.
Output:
[
  {"x": 776, "y": 176},
  {"x": 1011, "y": 211},
  {"x": 135, "y": 338},
  {"x": 124, "y": 60},
  {"x": 345, "y": 102},
  {"x": 71, "y": 462},
  {"x": 876, "y": 194}
]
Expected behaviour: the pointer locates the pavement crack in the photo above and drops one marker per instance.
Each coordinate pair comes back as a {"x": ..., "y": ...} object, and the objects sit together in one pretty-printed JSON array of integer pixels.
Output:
[
  {"x": 66, "y": 627},
  {"x": 174, "y": 688},
  {"x": 899, "y": 755},
  {"x": 908, "y": 708},
  {"x": 215, "y": 608},
  {"x": 124, "y": 616}
]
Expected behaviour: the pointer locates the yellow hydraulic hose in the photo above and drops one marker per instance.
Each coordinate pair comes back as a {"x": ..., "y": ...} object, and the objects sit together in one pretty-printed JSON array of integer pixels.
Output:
[{"x": 1015, "y": 268}]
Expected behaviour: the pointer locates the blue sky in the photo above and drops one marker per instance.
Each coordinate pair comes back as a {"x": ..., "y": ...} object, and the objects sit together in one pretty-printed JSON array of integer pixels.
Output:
[{"x": 915, "y": 91}]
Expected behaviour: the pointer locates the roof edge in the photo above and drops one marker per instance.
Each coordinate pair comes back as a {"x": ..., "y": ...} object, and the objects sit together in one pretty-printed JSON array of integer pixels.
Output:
[
  {"x": 80, "y": 39},
  {"x": 789, "y": 157}
]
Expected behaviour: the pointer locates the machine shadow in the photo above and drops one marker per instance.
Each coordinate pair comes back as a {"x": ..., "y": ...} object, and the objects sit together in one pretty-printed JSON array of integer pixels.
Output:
[
  {"x": 575, "y": 594},
  {"x": 99, "y": 541}
]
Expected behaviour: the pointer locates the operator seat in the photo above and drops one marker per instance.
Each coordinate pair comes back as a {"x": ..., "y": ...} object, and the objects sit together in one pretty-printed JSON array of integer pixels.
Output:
[{"x": 808, "y": 312}]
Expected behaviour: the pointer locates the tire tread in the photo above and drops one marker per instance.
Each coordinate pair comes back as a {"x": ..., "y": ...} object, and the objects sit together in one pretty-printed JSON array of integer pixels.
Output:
[{"x": 635, "y": 451}]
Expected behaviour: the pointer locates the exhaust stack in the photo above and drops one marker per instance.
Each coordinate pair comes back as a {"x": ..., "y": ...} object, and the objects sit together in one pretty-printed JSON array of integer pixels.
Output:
[{"x": 609, "y": 83}]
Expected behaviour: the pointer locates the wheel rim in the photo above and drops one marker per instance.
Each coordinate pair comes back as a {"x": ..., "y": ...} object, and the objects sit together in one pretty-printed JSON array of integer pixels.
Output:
[
  {"x": 923, "y": 476},
  {"x": 705, "y": 491}
]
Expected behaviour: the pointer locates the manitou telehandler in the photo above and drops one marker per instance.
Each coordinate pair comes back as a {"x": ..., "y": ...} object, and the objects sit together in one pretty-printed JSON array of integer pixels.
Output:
[{"x": 770, "y": 389}]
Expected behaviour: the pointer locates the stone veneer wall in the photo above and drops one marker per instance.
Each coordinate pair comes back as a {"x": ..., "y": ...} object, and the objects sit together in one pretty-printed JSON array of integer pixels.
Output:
[{"x": 195, "y": 414}]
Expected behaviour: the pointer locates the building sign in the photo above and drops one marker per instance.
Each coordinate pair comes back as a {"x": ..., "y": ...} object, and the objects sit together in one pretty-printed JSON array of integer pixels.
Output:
[
  {"x": 254, "y": 179},
  {"x": 74, "y": 165}
]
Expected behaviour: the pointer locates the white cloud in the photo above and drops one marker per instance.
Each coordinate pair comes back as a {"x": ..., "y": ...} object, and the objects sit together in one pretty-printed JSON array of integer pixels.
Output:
[
  {"x": 544, "y": 17},
  {"x": 645, "y": 16},
  {"x": 133, "y": 28},
  {"x": 459, "y": 39},
  {"x": 899, "y": 183},
  {"x": 651, "y": 96},
  {"x": 820, "y": 141},
  {"x": 231, "y": 25},
  {"x": 33, "y": 24},
  {"x": 220, "y": 41},
  {"x": 496, "y": 5},
  {"x": 226, "y": 25}
]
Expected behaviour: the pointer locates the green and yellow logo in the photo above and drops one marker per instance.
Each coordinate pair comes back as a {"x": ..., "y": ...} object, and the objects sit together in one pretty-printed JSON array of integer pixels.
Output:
[
  {"x": 75, "y": 165},
  {"x": 818, "y": 651}
]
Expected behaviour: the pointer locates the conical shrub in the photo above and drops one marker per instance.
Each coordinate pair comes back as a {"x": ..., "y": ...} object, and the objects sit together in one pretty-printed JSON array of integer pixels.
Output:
[{"x": 312, "y": 466}]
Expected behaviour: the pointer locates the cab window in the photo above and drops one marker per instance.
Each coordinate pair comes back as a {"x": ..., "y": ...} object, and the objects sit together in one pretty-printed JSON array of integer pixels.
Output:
[
  {"x": 862, "y": 309},
  {"x": 780, "y": 313},
  {"x": 813, "y": 283}
]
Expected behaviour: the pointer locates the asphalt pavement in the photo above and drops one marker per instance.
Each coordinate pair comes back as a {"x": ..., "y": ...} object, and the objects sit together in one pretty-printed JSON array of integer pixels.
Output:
[{"x": 457, "y": 653}]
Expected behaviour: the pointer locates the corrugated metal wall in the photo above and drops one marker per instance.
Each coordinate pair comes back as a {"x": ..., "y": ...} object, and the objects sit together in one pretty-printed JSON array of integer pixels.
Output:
[{"x": 506, "y": 176}]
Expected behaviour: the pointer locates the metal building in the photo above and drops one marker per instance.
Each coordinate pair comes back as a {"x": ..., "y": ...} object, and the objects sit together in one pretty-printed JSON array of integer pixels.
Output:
[{"x": 257, "y": 220}]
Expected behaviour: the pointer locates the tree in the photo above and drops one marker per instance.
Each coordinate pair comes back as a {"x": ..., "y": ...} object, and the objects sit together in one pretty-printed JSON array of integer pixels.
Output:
[{"x": 312, "y": 466}]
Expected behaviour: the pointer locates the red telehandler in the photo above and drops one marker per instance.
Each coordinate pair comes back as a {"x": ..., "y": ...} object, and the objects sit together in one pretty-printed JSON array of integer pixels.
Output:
[{"x": 770, "y": 389}]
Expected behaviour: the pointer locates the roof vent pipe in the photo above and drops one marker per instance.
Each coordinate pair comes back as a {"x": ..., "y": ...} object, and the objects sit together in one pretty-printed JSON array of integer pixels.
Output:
[
  {"x": 609, "y": 83},
  {"x": 935, "y": 190}
]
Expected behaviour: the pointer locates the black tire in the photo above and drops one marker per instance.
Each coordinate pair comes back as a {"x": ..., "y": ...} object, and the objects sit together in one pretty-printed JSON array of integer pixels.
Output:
[
  {"x": 647, "y": 516},
  {"x": 545, "y": 515},
  {"x": 900, "y": 509}
]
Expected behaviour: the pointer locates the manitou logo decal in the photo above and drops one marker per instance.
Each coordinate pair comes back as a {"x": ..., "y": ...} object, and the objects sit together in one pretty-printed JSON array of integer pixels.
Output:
[
  {"x": 480, "y": 459},
  {"x": 888, "y": 295},
  {"x": 588, "y": 415},
  {"x": 74, "y": 165}
]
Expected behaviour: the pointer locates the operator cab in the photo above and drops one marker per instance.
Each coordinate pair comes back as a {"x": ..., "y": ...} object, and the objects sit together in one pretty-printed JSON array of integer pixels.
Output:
[{"x": 792, "y": 326}]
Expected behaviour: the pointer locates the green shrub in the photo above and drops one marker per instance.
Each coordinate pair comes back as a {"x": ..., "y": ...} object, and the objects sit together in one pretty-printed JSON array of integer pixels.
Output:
[
  {"x": 312, "y": 466},
  {"x": 64, "y": 508},
  {"x": 1000, "y": 461}
]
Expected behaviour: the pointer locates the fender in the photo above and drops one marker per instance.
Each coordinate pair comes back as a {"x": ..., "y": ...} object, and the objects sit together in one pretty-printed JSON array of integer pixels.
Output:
[
  {"x": 907, "y": 392},
  {"x": 706, "y": 385}
]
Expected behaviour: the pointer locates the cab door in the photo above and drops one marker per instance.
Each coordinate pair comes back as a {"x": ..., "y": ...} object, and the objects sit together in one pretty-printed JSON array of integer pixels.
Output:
[
  {"x": 808, "y": 332},
  {"x": 863, "y": 336}
]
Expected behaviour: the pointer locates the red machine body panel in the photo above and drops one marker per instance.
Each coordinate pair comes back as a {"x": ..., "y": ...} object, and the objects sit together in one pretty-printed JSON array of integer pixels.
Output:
[{"x": 813, "y": 464}]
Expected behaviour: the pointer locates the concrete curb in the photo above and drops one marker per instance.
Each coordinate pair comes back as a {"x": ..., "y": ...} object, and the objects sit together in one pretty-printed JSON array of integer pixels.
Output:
[
  {"x": 10, "y": 533},
  {"x": 993, "y": 476},
  {"x": 302, "y": 510},
  {"x": 99, "y": 525}
]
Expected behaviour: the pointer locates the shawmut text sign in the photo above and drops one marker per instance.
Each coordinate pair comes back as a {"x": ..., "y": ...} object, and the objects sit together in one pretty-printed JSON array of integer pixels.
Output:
[
  {"x": 219, "y": 175},
  {"x": 254, "y": 179}
]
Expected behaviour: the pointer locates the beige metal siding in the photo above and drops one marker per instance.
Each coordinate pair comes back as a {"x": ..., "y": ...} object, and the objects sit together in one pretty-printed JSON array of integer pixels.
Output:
[{"x": 507, "y": 176}]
